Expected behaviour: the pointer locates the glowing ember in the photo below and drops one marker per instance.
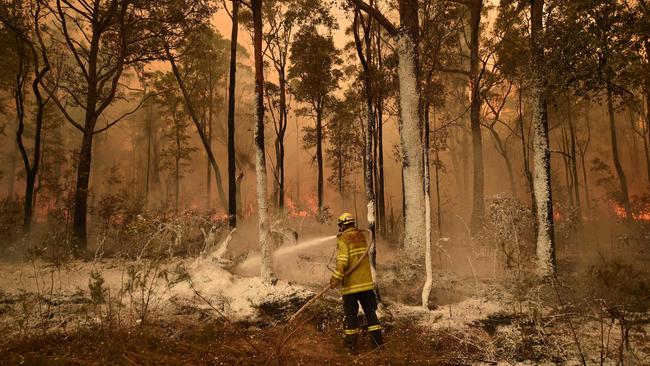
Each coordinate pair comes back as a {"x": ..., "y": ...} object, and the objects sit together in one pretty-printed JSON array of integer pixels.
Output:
[{"x": 620, "y": 212}]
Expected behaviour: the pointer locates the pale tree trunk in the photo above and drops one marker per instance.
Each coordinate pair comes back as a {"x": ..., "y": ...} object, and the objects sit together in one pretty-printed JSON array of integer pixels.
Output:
[
  {"x": 410, "y": 136},
  {"x": 260, "y": 163},
  {"x": 232, "y": 184},
  {"x": 545, "y": 248},
  {"x": 410, "y": 116}
]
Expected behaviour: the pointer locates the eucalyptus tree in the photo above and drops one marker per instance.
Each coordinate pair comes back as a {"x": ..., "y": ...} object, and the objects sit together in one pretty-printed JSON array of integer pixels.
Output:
[
  {"x": 315, "y": 75},
  {"x": 23, "y": 20},
  {"x": 103, "y": 39},
  {"x": 599, "y": 53}
]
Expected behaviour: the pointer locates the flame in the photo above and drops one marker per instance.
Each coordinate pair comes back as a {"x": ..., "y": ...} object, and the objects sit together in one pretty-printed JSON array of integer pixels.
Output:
[
  {"x": 620, "y": 212},
  {"x": 293, "y": 210}
]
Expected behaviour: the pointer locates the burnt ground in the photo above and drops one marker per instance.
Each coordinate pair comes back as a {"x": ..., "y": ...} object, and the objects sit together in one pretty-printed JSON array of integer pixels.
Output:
[{"x": 213, "y": 342}]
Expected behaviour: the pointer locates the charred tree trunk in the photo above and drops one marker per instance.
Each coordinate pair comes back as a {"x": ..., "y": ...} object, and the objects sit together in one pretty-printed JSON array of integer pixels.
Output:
[
  {"x": 32, "y": 169},
  {"x": 369, "y": 161},
  {"x": 232, "y": 184},
  {"x": 81, "y": 190},
  {"x": 625, "y": 197},
  {"x": 546, "y": 261},
  {"x": 149, "y": 122},
  {"x": 12, "y": 171},
  {"x": 428, "y": 263},
  {"x": 197, "y": 123},
  {"x": 260, "y": 162},
  {"x": 524, "y": 148},
  {"x": 381, "y": 196},
  {"x": 177, "y": 163},
  {"x": 478, "y": 205},
  {"x": 208, "y": 193},
  {"x": 574, "y": 163},
  {"x": 280, "y": 138},
  {"x": 319, "y": 155}
]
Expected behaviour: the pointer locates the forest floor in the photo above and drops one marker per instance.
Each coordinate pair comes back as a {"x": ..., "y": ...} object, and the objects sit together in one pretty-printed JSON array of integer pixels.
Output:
[{"x": 192, "y": 312}]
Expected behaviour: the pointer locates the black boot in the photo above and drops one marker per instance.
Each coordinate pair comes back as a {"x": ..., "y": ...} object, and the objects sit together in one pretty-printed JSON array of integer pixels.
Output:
[
  {"x": 375, "y": 337},
  {"x": 350, "y": 341}
]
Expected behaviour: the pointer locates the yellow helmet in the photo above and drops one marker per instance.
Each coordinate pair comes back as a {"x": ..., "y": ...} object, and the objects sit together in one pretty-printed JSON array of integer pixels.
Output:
[{"x": 346, "y": 218}]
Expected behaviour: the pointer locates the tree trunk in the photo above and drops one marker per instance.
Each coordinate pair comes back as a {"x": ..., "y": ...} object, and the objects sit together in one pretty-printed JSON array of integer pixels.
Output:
[
  {"x": 438, "y": 203},
  {"x": 428, "y": 263},
  {"x": 381, "y": 196},
  {"x": 411, "y": 131},
  {"x": 208, "y": 193},
  {"x": 260, "y": 163},
  {"x": 319, "y": 156},
  {"x": 478, "y": 204},
  {"x": 646, "y": 138},
  {"x": 280, "y": 138},
  {"x": 149, "y": 145},
  {"x": 11, "y": 179},
  {"x": 545, "y": 250},
  {"x": 232, "y": 184},
  {"x": 177, "y": 171},
  {"x": 625, "y": 198},
  {"x": 83, "y": 179},
  {"x": 197, "y": 123},
  {"x": 524, "y": 149},
  {"x": 369, "y": 161},
  {"x": 574, "y": 163}
]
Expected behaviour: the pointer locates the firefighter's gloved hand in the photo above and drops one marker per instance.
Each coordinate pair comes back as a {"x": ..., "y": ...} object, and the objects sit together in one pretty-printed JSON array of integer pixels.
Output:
[{"x": 334, "y": 282}]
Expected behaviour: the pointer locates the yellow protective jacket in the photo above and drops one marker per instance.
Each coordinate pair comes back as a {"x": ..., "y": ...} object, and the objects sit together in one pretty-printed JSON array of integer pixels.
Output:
[{"x": 351, "y": 244}]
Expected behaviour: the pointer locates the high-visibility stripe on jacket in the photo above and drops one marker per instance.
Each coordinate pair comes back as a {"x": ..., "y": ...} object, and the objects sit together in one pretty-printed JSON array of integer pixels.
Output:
[{"x": 351, "y": 244}]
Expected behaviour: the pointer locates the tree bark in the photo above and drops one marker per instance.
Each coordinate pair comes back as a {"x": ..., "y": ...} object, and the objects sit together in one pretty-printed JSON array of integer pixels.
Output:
[
  {"x": 428, "y": 263},
  {"x": 260, "y": 162},
  {"x": 282, "y": 128},
  {"x": 574, "y": 163},
  {"x": 319, "y": 156},
  {"x": 625, "y": 197},
  {"x": 232, "y": 184},
  {"x": 197, "y": 123},
  {"x": 369, "y": 161},
  {"x": 545, "y": 249},
  {"x": 411, "y": 131}
]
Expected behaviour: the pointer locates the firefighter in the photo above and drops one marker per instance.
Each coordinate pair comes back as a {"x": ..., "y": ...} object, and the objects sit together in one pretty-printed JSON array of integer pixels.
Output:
[{"x": 357, "y": 286}]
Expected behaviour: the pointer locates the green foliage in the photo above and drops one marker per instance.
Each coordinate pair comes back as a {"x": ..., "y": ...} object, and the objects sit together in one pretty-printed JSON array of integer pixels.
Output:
[
  {"x": 314, "y": 71},
  {"x": 592, "y": 46},
  {"x": 345, "y": 137}
]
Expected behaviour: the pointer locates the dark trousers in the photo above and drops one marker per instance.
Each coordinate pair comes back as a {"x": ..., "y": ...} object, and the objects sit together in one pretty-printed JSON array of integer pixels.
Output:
[{"x": 368, "y": 303}]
